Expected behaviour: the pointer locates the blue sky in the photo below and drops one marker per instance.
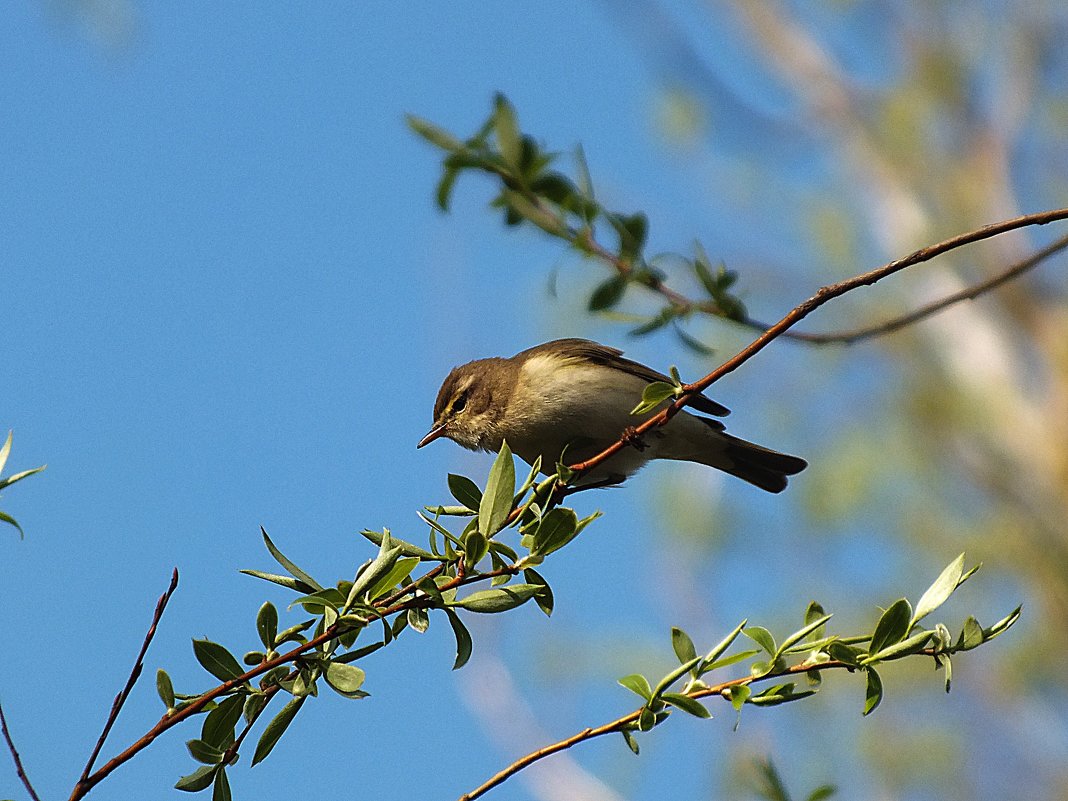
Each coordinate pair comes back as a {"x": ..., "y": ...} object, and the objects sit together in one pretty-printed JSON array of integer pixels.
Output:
[{"x": 228, "y": 302}]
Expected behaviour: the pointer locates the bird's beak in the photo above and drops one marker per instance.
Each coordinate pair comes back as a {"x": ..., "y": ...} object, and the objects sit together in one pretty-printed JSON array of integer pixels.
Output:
[{"x": 434, "y": 434}]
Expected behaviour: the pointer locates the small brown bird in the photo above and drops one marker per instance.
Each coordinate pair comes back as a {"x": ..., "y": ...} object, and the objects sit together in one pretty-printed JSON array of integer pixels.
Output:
[{"x": 578, "y": 394}]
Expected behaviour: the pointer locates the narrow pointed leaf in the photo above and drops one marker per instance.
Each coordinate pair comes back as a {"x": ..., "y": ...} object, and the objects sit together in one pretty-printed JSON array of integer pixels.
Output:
[
  {"x": 687, "y": 704},
  {"x": 284, "y": 581},
  {"x": 463, "y": 639},
  {"x": 939, "y": 592},
  {"x": 221, "y": 791},
  {"x": 275, "y": 729},
  {"x": 500, "y": 490},
  {"x": 291, "y": 568},
  {"x": 873, "y": 694}
]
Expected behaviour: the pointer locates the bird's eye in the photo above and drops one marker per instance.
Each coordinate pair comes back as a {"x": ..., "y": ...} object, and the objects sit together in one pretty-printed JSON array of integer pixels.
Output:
[{"x": 459, "y": 404}]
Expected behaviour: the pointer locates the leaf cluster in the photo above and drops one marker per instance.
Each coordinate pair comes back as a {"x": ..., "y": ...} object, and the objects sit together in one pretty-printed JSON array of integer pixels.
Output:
[
  {"x": 531, "y": 191},
  {"x": 806, "y": 652},
  {"x": 5, "y": 451},
  {"x": 399, "y": 589}
]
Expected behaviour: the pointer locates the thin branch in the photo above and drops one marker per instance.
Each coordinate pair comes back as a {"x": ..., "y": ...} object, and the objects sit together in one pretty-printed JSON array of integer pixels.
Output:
[
  {"x": 628, "y": 721},
  {"x": 387, "y": 606},
  {"x": 21, "y": 771},
  {"x": 685, "y": 305},
  {"x": 897, "y": 323},
  {"x": 823, "y": 295},
  {"x": 139, "y": 665}
]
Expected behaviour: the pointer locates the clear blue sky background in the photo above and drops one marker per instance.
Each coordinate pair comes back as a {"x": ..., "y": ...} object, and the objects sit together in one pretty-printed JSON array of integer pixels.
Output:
[{"x": 228, "y": 301}]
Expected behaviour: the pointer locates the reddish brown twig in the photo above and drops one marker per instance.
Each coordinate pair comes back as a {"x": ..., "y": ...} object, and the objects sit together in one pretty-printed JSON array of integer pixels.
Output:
[
  {"x": 685, "y": 305},
  {"x": 628, "y": 721},
  {"x": 802, "y": 310},
  {"x": 139, "y": 664},
  {"x": 897, "y": 323},
  {"x": 19, "y": 770}
]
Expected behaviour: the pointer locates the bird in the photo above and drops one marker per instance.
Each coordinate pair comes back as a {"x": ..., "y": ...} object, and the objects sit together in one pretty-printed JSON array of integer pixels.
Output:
[{"x": 569, "y": 399}]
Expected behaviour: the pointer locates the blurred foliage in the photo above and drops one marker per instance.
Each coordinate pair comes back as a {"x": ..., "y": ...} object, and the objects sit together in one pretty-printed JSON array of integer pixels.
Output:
[{"x": 886, "y": 131}]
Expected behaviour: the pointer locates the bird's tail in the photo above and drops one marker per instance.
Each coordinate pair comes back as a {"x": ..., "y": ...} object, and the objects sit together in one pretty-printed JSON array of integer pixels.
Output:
[{"x": 760, "y": 466}]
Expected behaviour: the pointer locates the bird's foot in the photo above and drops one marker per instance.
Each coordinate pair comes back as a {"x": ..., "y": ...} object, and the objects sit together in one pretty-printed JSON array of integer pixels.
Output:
[{"x": 631, "y": 437}]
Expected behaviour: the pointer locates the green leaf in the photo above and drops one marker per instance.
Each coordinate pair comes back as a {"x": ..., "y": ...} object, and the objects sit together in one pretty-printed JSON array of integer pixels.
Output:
[
  {"x": 221, "y": 791},
  {"x": 637, "y": 683},
  {"x": 608, "y": 293},
  {"x": 845, "y": 653},
  {"x": 165, "y": 688},
  {"x": 496, "y": 502},
  {"x": 276, "y": 728},
  {"x": 683, "y": 645},
  {"x": 476, "y": 546},
  {"x": 630, "y": 740},
  {"x": 378, "y": 568},
  {"x": 7, "y": 482},
  {"x": 6, "y": 518},
  {"x": 215, "y": 659},
  {"x": 722, "y": 646},
  {"x": 5, "y": 449},
  {"x": 692, "y": 342},
  {"x": 739, "y": 695},
  {"x": 1002, "y": 625},
  {"x": 291, "y": 568},
  {"x": 284, "y": 581},
  {"x": 727, "y": 661},
  {"x": 947, "y": 665},
  {"x": 198, "y": 780},
  {"x": 632, "y": 231},
  {"x": 418, "y": 619},
  {"x": 499, "y": 599},
  {"x": 432, "y": 133},
  {"x": 267, "y": 624},
  {"x": 801, "y": 633},
  {"x": 396, "y": 574},
  {"x": 344, "y": 678},
  {"x": 544, "y": 597},
  {"x": 506, "y": 127},
  {"x": 203, "y": 752},
  {"x": 939, "y": 592},
  {"x": 463, "y": 639},
  {"x": 406, "y": 548},
  {"x": 762, "y": 637},
  {"x": 873, "y": 694},
  {"x": 687, "y": 704},
  {"x": 653, "y": 395},
  {"x": 465, "y": 491},
  {"x": 892, "y": 626},
  {"x": 557, "y": 528},
  {"x": 971, "y": 636},
  {"x": 905, "y": 647},
  {"x": 821, "y": 793},
  {"x": 656, "y": 322},
  {"x": 218, "y": 729}
]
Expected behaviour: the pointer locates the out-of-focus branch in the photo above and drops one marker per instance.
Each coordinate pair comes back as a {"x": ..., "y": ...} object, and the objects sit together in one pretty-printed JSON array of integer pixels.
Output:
[
  {"x": 721, "y": 690},
  {"x": 824, "y": 295}
]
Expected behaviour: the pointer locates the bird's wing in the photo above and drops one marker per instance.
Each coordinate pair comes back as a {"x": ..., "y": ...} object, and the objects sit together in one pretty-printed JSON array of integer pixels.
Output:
[{"x": 597, "y": 353}]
